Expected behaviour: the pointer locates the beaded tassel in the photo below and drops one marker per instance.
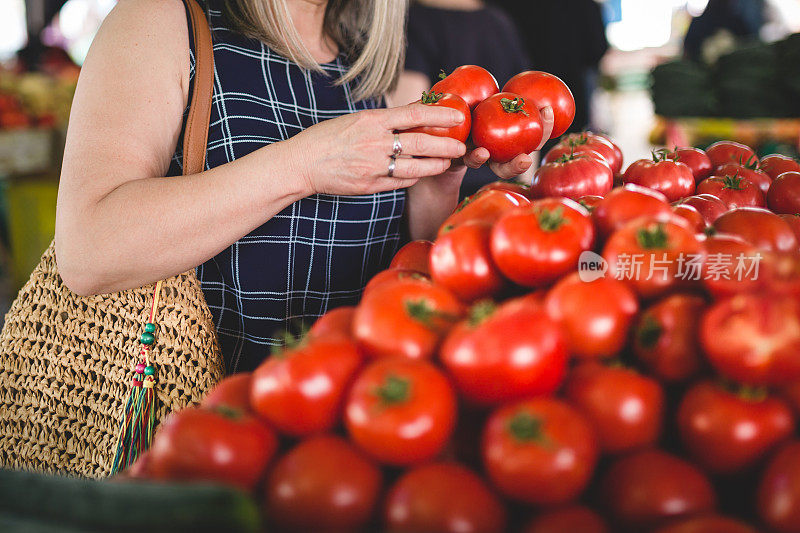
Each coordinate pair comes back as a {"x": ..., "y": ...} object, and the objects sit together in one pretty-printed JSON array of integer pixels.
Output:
[{"x": 139, "y": 416}]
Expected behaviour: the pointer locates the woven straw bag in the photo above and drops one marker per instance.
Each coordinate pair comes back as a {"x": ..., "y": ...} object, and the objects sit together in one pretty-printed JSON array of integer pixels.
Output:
[{"x": 65, "y": 360}]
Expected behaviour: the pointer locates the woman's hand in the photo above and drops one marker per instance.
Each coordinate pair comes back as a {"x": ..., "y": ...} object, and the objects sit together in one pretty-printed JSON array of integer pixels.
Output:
[{"x": 350, "y": 155}]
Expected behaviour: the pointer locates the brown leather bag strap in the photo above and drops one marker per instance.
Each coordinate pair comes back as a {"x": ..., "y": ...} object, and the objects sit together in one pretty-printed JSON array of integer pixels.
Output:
[{"x": 195, "y": 135}]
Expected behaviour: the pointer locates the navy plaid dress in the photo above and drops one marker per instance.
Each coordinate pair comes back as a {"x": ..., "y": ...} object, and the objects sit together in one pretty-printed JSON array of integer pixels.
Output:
[{"x": 316, "y": 254}]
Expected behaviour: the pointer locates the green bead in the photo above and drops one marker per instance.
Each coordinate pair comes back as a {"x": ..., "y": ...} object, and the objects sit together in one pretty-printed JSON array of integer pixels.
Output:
[
  {"x": 149, "y": 371},
  {"x": 149, "y": 328},
  {"x": 147, "y": 338}
]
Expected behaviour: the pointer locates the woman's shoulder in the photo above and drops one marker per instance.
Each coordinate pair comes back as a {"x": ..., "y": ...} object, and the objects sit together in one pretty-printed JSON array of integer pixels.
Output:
[{"x": 148, "y": 24}]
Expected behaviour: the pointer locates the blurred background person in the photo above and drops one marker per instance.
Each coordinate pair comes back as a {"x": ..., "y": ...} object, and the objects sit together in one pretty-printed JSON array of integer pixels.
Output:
[{"x": 721, "y": 26}]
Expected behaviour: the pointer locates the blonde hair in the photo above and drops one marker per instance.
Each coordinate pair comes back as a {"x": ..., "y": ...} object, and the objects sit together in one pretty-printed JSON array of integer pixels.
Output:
[{"x": 370, "y": 32}]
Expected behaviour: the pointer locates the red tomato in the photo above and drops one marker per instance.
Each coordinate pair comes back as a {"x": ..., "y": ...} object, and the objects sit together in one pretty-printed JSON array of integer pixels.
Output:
[
  {"x": 507, "y": 126},
  {"x": 232, "y": 392},
  {"x": 731, "y": 267},
  {"x": 753, "y": 175},
  {"x": 794, "y": 223},
  {"x": 691, "y": 215},
  {"x": 671, "y": 178},
  {"x": 734, "y": 191},
  {"x": 482, "y": 353},
  {"x": 754, "y": 339},
  {"x": 401, "y": 411},
  {"x": 543, "y": 89},
  {"x": 694, "y": 158},
  {"x": 569, "y": 519},
  {"x": 505, "y": 185},
  {"x": 572, "y": 176},
  {"x": 461, "y": 261},
  {"x": 405, "y": 318},
  {"x": 784, "y": 194},
  {"x": 216, "y": 445},
  {"x": 595, "y": 316},
  {"x": 627, "y": 203},
  {"x": 389, "y": 276},
  {"x": 709, "y": 206},
  {"x": 654, "y": 255},
  {"x": 781, "y": 272},
  {"x": 777, "y": 164},
  {"x": 626, "y": 408},
  {"x": 336, "y": 322},
  {"x": 665, "y": 337},
  {"x": 540, "y": 451},
  {"x": 600, "y": 144},
  {"x": 415, "y": 255},
  {"x": 322, "y": 484},
  {"x": 590, "y": 201},
  {"x": 300, "y": 391},
  {"x": 759, "y": 227},
  {"x": 779, "y": 490},
  {"x": 486, "y": 206},
  {"x": 459, "y": 132},
  {"x": 535, "y": 245},
  {"x": 644, "y": 490},
  {"x": 442, "y": 497},
  {"x": 562, "y": 150},
  {"x": 707, "y": 523},
  {"x": 472, "y": 83},
  {"x": 730, "y": 152},
  {"x": 725, "y": 432}
]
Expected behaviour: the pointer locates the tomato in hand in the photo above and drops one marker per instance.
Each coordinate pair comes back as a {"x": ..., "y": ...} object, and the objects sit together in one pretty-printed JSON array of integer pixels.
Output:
[
  {"x": 708, "y": 205},
  {"x": 732, "y": 266},
  {"x": 322, "y": 484},
  {"x": 666, "y": 337},
  {"x": 459, "y": 132},
  {"x": 506, "y": 126},
  {"x": 442, "y": 497},
  {"x": 784, "y": 194},
  {"x": 627, "y": 203},
  {"x": 218, "y": 445},
  {"x": 751, "y": 173},
  {"x": 543, "y": 89},
  {"x": 461, "y": 260},
  {"x": 648, "y": 488},
  {"x": 778, "y": 498},
  {"x": 759, "y": 227},
  {"x": 776, "y": 164},
  {"x": 569, "y": 519},
  {"x": 692, "y": 216},
  {"x": 405, "y": 318},
  {"x": 481, "y": 354},
  {"x": 671, "y": 178},
  {"x": 400, "y": 411},
  {"x": 535, "y": 245},
  {"x": 707, "y": 523},
  {"x": 730, "y": 152},
  {"x": 734, "y": 191},
  {"x": 595, "y": 316},
  {"x": 336, "y": 322},
  {"x": 572, "y": 176},
  {"x": 728, "y": 431},
  {"x": 300, "y": 391},
  {"x": 600, "y": 144},
  {"x": 525, "y": 446},
  {"x": 694, "y": 158},
  {"x": 414, "y": 255},
  {"x": 472, "y": 83},
  {"x": 484, "y": 206},
  {"x": 232, "y": 392}
]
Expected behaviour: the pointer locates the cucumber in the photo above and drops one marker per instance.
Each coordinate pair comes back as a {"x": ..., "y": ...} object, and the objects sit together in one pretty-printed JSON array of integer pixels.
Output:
[{"x": 91, "y": 505}]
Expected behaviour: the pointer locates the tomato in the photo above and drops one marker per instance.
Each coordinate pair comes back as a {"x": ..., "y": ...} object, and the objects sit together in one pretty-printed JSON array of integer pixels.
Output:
[
  {"x": 442, "y": 497},
  {"x": 482, "y": 353},
  {"x": 627, "y": 203},
  {"x": 590, "y": 201},
  {"x": 734, "y": 191},
  {"x": 781, "y": 272},
  {"x": 217, "y": 445},
  {"x": 665, "y": 337},
  {"x": 708, "y": 205},
  {"x": 725, "y": 432},
  {"x": 794, "y": 223},
  {"x": 461, "y": 261},
  {"x": 784, "y": 194},
  {"x": 671, "y": 178},
  {"x": 232, "y": 392},
  {"x": 336, "y": 322},
  {"x": 572, "y": 176},
  {"x": 569, "y": 519},
  {"x": 300, "y": 391},
  {"x": 486, "y": 206},
  {"x": 472, "y": 83},
  {"x": 415, "y": 255},
  {"x": 505, "y": 185},
  {"x": 322, "y": 484},
  {"x": 778, "y": 498},
  {"x": 754, "y": 338},
  {"x": 694, "y": 158},
  {"x": 645, "y": 489},
  {"x": 595, "y": 316},
  {"x": 654, "y": 255},
  {"x": 540, "y": 451},
  {"x": 600, "y": 144},
  {"x": 730, "y": 152},
  {"x": 759, "y": 227},
  {"x": 405, "y": 318},
  {"x": 753, "y": 175},
  {"x": 777, "y": 164},
  {"x": 507, "y": 126},
  {"x": 401, "y": 411},
  {"x": 543, "y": 89},
  {"x": 459, "y": 132},
  {"x": 707, "y": 523},
  {"x": 562, "y": 150},
  {"x": 691, "y": 215},
  {"x": 626, "y": 408},
  {"x": 732, "y": 266},
  {"x": 535, "y": 245},
  {"x": 388, "y": 276}
]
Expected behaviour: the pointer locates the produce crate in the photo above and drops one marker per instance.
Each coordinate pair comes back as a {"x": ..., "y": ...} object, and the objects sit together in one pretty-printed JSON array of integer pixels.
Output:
[{"x": 704, "y": 131}]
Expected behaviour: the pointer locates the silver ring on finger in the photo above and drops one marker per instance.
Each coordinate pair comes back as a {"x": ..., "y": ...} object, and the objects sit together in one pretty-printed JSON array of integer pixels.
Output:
[
  {"x": 392, "y": 164},
  {"x": 397, "y": 147}
]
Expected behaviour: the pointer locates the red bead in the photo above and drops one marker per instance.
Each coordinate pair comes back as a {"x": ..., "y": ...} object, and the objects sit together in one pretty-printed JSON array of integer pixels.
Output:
[{"x": 139, "y": 368}]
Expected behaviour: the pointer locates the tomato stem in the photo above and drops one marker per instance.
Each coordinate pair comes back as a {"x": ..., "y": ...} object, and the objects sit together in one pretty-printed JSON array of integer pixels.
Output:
[
  {"x": 649, "y": 332},
  {"x": 442, "y": 74},
  {"x": 395, "y": 390},
  {"x": 524, "y": 428},
  {"x": 747, "y": 393},
  {"x": 431, "y": 97},
  {"x": 231, "y": 413},
  {"x": 732, "y": 182},
  {"x": 422, "y": 311},
  {"x": 517, "y": 105},
  {"x": 551, "y": 219},
  {"x": 652, "y": 238},
  {"x": 480, "y": 312}
]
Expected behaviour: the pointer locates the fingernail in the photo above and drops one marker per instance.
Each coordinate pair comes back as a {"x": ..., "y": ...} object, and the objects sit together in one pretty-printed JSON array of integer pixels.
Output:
[
  {"x": 462, "y": 149},
  {"x": 547, "y": 113},
  {"x": 458, "y": 117}
]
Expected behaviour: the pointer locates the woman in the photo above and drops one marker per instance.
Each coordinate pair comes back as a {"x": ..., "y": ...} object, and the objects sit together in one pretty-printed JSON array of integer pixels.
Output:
[{"x": 297, "y": 207}]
